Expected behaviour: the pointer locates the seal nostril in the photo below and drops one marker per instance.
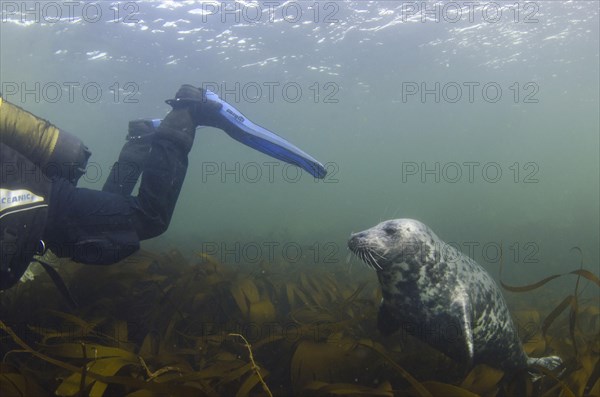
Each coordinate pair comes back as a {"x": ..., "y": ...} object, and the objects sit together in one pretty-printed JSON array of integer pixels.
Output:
[
  {"x": 352, "y": 243},
  {"x": 354, "y": 240}
]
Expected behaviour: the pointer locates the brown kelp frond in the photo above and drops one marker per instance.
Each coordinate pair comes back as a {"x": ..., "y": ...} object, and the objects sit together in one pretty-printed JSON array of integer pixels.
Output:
[
  {"x": 254, "y": 367},
  {"x": 570, "y": 301},
  {"x": 581, "y": 329}
]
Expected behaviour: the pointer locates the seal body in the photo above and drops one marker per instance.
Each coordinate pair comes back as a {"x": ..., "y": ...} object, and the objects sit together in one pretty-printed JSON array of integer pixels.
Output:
[{"x": 435, "y": 293}]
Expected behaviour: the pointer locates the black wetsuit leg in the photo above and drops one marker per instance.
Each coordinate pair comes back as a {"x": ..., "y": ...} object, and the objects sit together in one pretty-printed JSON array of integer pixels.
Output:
[
  {"x": 162, "y": 179},
  {"x": 101, "y": 227}
]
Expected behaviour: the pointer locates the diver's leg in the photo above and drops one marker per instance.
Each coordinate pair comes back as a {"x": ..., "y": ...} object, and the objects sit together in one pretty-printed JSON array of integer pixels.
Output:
[
  {"x": 125, "y": 172},
  {"x": 165, "y": 169},
  {"x": 163, "y": 174},
  {"x": 89, "y": 226},
  {"x": 101, "y": 227}
]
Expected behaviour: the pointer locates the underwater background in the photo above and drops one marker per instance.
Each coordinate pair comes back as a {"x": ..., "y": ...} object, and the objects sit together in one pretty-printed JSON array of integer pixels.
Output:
[{"x": 480, "y": 119}]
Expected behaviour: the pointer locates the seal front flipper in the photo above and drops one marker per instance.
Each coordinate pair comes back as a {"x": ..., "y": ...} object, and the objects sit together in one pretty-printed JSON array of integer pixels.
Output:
[
  {"x": 387, "y": 323},
  {"x": 463, "y": 306}
]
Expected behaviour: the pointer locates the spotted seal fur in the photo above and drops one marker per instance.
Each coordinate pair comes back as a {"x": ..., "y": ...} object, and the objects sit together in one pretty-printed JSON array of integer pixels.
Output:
[{"x": 435, "y": 293}]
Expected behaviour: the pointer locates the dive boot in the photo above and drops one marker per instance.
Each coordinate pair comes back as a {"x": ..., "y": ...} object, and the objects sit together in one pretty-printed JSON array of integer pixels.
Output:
[{"x": 191, "y": 109}]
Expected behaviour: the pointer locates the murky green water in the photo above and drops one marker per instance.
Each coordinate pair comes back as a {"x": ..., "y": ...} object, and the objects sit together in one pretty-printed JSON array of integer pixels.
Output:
[{"x": 481, "y": 121}]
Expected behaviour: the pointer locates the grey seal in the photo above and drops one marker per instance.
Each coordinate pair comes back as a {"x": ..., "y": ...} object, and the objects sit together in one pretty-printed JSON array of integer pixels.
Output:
[{"x": 444, "y": 298}]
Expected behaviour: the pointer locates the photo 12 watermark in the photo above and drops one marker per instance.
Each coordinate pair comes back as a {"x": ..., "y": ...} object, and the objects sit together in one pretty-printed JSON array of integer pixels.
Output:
[
  {"x": 275, "y": 91},
  {"x": 70, "y": 92},
  {"x": 469, "y": 92},
  {"x": 251, "y": 172},
  {"x": 253, "y": 252},
  {"x": 489, "y": 12},
  {"x": 54, "y": 12},
  {"x": 494, "y": 252},
  {"x": 490, "y": 252},
  {"x": 93, "y": 173},
  {"x": 124, "y": 92},
  {"x": 268, "y": 11},
  {"x": 471, "y": 172}
]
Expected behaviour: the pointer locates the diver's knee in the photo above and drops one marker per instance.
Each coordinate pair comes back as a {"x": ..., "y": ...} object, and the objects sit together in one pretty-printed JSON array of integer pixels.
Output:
[
  {"x": 152, "y": 228},
  {"x": 159, "y": 227}
]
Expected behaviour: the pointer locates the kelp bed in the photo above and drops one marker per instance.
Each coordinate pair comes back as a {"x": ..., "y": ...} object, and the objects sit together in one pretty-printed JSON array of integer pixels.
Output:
[{"x": 157, "y": 325}]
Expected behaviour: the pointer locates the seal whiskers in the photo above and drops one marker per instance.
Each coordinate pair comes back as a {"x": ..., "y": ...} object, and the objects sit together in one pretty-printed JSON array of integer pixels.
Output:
[
  {"x": 374, "y": 261},
  {"x": 366, "y": 254}
]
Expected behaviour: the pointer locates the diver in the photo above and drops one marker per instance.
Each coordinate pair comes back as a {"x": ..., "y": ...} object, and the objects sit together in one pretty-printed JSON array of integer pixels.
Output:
[{"x": 42, "y": 208}]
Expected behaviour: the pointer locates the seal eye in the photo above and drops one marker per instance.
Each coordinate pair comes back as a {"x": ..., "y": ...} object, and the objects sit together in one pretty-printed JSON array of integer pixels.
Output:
[{"x": 389, "y": 230}]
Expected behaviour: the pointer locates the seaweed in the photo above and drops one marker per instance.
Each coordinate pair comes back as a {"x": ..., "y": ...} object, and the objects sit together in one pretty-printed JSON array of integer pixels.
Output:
[
  {"x": 161, "y": 325},
  {"x": 584, "y": 376}
]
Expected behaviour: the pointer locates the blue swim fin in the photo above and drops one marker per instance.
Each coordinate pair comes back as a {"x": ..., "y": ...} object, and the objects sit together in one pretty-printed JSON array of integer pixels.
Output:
[{"x": 237, "y": 126}]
